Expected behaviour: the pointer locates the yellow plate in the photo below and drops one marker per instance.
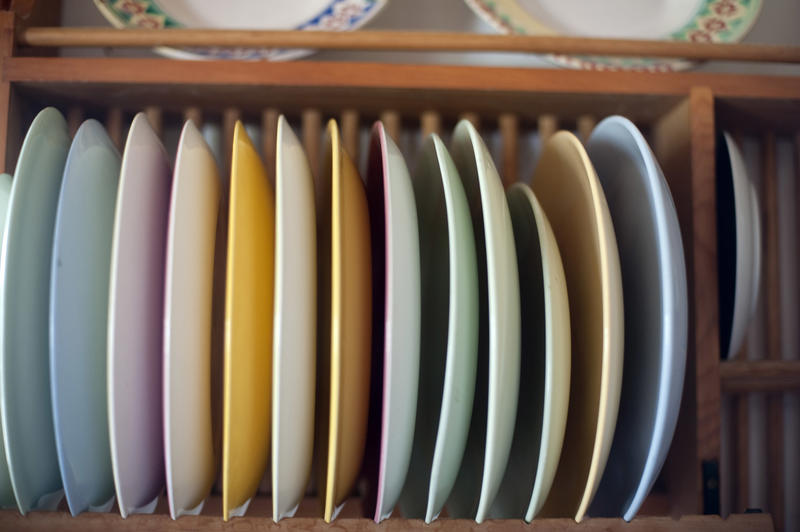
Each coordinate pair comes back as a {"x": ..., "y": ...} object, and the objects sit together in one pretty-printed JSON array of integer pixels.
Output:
[
  {"x": 248, "y": 327},
  {"x": 570, "y": 194},
  {"x": 345, "y": 288}
]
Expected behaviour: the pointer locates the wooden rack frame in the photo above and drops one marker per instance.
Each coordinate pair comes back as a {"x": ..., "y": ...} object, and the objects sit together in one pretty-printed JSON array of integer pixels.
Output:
[{"x": 681, "y": 112}]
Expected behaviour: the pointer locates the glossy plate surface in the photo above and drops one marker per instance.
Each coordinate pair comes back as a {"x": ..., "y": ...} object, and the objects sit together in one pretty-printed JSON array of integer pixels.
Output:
[
  {"x": 656, "y": 313},
  {"x": 248, "y": 327},
  {"x": 79, "y": 318},
  {"x": 6, "y": 491},
  {"x": 345, "y": 322},
  {"x": 27, "y": 416},
  {"x": 495, "y": 408},
  {"x": 396, "y": 311},
  {"x": 294, "y": 343},
  {"x": 188, "y": 437},
  {"x": 449, "y": 332},
  {"x": 572, "y": 198},
  {"x": 136, "y": 326},
  {"x": 545, "y": 361}
]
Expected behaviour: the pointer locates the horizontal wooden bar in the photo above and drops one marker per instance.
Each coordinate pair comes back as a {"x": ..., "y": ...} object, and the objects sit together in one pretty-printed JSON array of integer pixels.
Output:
[
  {"x": 403, "y": 40},
  {"x": 390, "y": 76},
  {"x": 88, "y": 522},
  {"x": 760, "y": 376}
]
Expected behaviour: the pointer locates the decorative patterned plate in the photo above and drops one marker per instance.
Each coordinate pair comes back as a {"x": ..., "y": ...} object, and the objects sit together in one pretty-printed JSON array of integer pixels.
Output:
[
  {"x": 327, "y": 15},
  {"x": 679, "y": 20}
]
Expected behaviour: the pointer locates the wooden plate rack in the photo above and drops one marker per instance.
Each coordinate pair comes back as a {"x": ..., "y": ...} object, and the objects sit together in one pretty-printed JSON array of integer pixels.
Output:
[{"x": 679, "y": 112}]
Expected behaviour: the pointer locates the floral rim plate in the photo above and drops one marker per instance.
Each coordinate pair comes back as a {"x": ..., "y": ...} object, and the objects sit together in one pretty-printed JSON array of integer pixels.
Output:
[
  {"x": 714, "y": 21},
  {"x": 337, "y": 15}
]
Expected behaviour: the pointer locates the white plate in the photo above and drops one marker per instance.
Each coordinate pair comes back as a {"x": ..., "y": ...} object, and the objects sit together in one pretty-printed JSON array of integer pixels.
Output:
[
  {"x": 495, "y": 409},
  {"x": 545, "y": 362},
  {"x": 188, "y": 437},
  {"x": 328, "y": 15},
  {"x": 27, "y": 414},
  {"x": 79, "y": 318},
  {"x": 739, "y": 227},
  {"x": 295, "y": 324},
  {"x": 656, "y": 313},
  {"x": 136, "y": 312},
  {"x": 449, "y": 332},
  {"x": 396, "y": 297},
  {"x": 6, "y": 491}
]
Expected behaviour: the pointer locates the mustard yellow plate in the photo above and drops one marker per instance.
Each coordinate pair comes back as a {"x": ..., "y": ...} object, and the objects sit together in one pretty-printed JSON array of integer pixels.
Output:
[
  {"x": 248, "y": 327},
  {"x": 345, "y": 288},
  {"x": 571, "y": 196}
]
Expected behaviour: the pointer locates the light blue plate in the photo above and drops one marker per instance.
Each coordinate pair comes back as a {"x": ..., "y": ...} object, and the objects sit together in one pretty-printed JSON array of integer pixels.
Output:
[
  {"x": 656, "y": 310},
  {"x": 6, "y": 491},
  {"x": 27, "y": 416},
  {"x": 79, "y": 318}
]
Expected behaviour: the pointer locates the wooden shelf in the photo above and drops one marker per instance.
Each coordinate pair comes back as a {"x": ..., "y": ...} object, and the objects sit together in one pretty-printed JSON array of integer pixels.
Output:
[
  {"x": 760, "y": 376},
  {"x": 89, "y": 522}
]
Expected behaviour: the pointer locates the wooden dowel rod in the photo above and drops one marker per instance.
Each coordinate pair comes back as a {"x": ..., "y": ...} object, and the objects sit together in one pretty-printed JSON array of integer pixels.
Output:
[
  {"x": 760, "y": 376},
  {"x": 195, "y": 114},
  {"x": 773, "y": 318},
  {"x": 402, "y": 40},
  {"x": 312, "y": 129},
  {"x": 509, "y": 133},
  {"x": 114, "y": 126},
  {"x": 350, "y": 133},
  {"x": 74, "y": 119},
  {"x": 547, "y": 126},
  {"x": 585, "y": 124},
  {"x": 472, "y": 118},
  {"x": 154, "y": 117},
  {"x": 269, "y": 138},
  {"x": 430, "y": 122},
  {"x": 392, "y": 124}
]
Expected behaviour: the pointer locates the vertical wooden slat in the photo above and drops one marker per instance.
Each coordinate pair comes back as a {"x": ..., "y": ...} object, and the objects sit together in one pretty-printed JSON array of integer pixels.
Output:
[
  {"x": 195, "y": 114},
  {"x": 312, "y": 129},
  {"x": 392, "y": 123},
  {"x": 471, "y": 117},
  {"x": 773, "y": 321},
  {"x": 585, "y": 124},
  {"x": 74, "y": 119},
  {"x": 742, "y": 435},
  {"x": 154, "y": 117},
  {"x": 547, "y": 126},
  {"x": 114, "y": 126},
  {"x": 6, "y": 108},
  {"x": 269, "y": 138},
  {"x": 509, "y": 133},
  {"x": 350, "y": 133},
  {"x": 430, "y": 122},
  {"x": 229, "y": 118}
]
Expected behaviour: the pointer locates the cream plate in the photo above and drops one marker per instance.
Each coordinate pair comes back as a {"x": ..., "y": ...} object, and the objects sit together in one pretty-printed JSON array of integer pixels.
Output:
[
  {"x": 136, "y": 321},
  {"x": 495, "y": 408},
  {"x": 188, "y": 438},
  {"x": 545, "y": 362},
  {"x": 79, "y": 318},
  {"x": 679, "y": 20},
  {"x": 449, "y": 332},
  {"x": 656, "y": 313},
  {"x": 27, "y": 415},
  {"x": 295, "y": 324},
  {"x": 329, "y": 15},
  {"x": 572, "y": 198}
]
